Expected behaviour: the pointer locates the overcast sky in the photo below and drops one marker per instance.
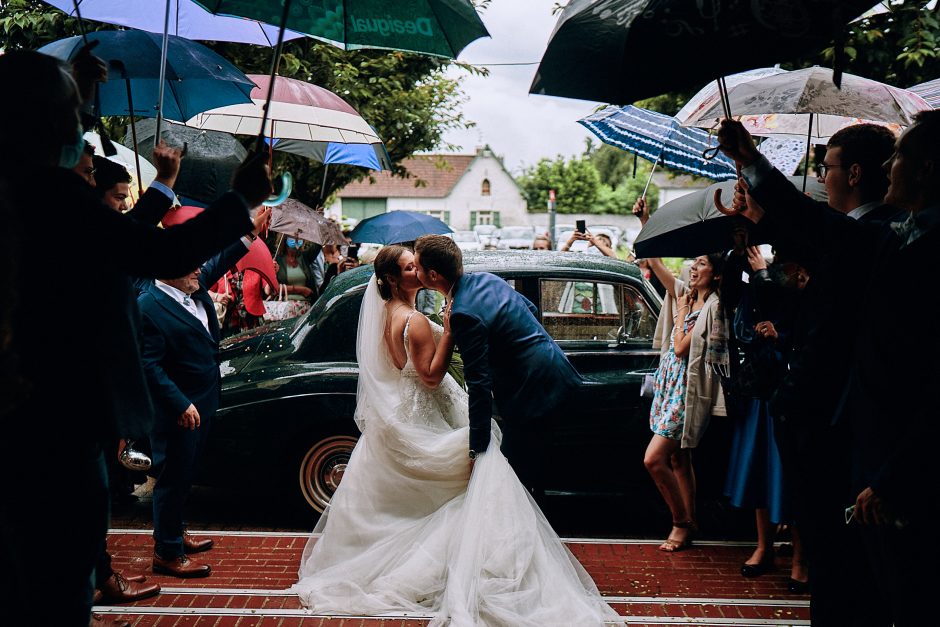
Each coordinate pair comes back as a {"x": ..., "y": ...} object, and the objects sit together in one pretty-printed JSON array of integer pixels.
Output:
[{"x": 519, "y": 127}]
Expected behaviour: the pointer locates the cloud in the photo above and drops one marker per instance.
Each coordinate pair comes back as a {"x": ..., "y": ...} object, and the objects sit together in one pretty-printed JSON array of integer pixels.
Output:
[{"x": 520, "y": 127}]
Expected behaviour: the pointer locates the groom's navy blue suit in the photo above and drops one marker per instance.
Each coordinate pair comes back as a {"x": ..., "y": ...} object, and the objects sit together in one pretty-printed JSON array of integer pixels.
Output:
[{"x": 508, "y": 358}]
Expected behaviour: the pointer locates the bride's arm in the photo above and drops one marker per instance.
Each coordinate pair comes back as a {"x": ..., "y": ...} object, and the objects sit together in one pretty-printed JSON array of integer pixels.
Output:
[{"x": 429, "y": 359}]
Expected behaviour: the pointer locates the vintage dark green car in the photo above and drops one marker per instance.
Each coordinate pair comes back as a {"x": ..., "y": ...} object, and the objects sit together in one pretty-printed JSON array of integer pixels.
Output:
[{"x": 289, "y": 389}]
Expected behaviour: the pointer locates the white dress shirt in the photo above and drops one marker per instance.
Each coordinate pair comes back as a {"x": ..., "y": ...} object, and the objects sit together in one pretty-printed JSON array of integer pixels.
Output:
[{"x": 187, "y": 303}]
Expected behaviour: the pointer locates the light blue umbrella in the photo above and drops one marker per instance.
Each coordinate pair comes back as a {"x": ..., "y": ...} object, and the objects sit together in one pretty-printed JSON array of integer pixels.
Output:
[
  {"x": 659, "y": 138},
  {"x": 197, "y": 79},
  {"x": 186, "y": 19}
]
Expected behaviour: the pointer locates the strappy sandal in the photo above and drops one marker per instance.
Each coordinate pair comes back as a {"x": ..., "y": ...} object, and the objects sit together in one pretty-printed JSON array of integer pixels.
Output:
[{"x": 674, "y": 546}]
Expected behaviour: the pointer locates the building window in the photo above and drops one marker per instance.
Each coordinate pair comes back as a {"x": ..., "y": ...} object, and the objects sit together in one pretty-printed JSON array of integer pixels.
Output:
[
  {"x": 484, "y": 217},
  {"x": 485, "y": 188}
]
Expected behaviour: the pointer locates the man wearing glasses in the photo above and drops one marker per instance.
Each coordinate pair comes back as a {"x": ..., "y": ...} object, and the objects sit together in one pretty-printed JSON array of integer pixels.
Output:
[{"x": 852, "y": 171}]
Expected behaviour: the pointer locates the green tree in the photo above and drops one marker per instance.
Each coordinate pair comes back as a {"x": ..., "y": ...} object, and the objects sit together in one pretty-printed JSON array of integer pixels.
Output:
[
  {"x": 406, "y": 97},
  {"x": 575, "y": 181}
]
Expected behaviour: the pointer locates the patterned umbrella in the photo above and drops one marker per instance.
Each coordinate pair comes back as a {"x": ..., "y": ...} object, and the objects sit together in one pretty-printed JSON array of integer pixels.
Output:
[
  {"x": 806, "y": 101},
  {"x": 295, "y": 219},
  {"x": 929, "y": 91},
  {"x": 660, "y": 139},
  {"x": 303, "y": 119}
]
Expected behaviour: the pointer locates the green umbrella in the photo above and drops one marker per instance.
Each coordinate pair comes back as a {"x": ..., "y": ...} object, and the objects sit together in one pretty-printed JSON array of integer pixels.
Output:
[{"x": 436, "y": 27}]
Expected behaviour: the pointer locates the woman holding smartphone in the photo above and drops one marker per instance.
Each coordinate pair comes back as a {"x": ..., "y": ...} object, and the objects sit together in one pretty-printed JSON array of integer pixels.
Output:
[{"x": 687, "y": 391}]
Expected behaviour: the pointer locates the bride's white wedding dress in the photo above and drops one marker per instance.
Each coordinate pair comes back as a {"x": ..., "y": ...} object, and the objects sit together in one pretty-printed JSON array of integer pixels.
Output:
[{"x": 412, "y": 529}]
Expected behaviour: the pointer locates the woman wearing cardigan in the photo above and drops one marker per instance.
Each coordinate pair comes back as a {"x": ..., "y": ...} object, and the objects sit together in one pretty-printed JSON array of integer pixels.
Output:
[{"x": 693, "y": 339}]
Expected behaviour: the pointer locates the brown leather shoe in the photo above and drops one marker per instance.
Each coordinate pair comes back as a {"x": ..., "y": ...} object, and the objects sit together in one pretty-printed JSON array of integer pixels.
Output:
[
  {"x": 97, "y": 620},
  {"x": 180, "y": 566},
  {"x": 137, "y": 578},
  {"x": 196, "y": 545},
  {"x": 119, "y": 589}
]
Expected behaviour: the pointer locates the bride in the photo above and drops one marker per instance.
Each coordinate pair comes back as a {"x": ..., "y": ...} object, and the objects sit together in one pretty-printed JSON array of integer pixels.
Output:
[{"x": 416, "y": 526}]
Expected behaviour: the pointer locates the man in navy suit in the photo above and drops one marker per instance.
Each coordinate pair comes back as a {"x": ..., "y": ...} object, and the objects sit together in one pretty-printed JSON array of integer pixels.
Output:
[
  {"x": 509, "y": 359},
  {"x": 180, "y": 356}
]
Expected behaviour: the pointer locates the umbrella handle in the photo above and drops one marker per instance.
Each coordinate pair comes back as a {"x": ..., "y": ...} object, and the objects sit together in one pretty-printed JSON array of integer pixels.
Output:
[
  {"x": 710, "y": 153},
  {"x": 287, "y": 186}
]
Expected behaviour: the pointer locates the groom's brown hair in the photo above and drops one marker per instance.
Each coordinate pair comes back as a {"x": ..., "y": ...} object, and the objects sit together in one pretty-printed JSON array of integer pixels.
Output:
[{"x": 441, "y": 254}]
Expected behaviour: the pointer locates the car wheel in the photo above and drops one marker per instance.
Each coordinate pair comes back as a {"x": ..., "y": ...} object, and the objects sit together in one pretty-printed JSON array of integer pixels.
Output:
[{"x": 322, "y": 468}]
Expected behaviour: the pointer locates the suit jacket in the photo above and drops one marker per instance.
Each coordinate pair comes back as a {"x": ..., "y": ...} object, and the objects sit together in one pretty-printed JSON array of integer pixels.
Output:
[
  {"x": 181, "y": 358},
  {"x": 76, "y": 346},
  {"x": 508, "y": 356},
  {"x": 886, "y": 400},
  {"x": 820, "y": 355}
]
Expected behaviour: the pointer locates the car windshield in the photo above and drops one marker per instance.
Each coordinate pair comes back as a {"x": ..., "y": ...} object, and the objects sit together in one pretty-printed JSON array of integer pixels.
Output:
[{"x": 518, "y": 232}]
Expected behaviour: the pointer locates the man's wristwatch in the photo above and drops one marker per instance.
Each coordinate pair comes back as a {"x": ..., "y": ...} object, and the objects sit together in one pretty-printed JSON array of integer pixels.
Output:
[{"x": 473, "y": 454}]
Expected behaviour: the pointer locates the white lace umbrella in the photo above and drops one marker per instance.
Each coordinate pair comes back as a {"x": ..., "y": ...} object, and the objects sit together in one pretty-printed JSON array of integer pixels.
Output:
[{"x": 807, "y": 102}]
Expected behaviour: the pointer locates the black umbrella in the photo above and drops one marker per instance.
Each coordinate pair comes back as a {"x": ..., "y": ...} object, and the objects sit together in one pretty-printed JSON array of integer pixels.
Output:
[
  {"x": 620, "y": 51},
  {"x": 692, "y": 225},
  {"x": 211, "y": 157}
]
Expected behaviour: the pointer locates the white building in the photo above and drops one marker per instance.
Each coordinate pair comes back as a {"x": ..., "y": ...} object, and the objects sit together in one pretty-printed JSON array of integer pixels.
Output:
[{"x": 461, "y": 190}]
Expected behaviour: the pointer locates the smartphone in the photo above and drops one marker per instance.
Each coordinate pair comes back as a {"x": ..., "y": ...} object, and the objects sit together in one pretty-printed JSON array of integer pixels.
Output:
[
  {"x": 580, "y": 227},
  {"x": 353, "y": 251}
]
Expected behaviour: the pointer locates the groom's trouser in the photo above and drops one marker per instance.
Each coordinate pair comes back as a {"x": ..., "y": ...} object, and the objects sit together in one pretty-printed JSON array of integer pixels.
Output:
[
  {"x": 525, "y": 445},
  {"x": 175, "y": 453}
]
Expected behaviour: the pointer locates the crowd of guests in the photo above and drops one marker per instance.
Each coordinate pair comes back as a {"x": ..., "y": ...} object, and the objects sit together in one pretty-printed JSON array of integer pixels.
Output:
[{"x": 822, "y": 358}]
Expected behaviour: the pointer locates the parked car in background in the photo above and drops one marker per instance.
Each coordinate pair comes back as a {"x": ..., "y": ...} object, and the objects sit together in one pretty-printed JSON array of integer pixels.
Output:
[
  {"x": 516, "y": 237},
  {"x": 559, "y": 229},
  {"x": 489, "y": 235},
  {"x": 468, "y": 240}
]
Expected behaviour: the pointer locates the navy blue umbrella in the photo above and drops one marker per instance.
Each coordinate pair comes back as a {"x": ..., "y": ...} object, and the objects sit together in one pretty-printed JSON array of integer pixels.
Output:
[
  {"x": 197, "y": 79},
  {"x": 659, "y": 138},
  {"x": 396, "y": 227}
]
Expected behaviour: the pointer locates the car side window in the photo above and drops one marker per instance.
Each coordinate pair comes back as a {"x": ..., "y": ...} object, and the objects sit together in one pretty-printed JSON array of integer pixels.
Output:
[{"x": 593, "y": 311}]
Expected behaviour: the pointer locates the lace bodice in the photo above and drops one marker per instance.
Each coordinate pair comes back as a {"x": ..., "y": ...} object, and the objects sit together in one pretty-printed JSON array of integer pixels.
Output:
[{"x": 444, "y": 406}]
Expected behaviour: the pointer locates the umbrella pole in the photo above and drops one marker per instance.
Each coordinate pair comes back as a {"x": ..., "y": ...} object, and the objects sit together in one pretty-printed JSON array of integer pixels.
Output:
[
  {"x": 274, "y": 63},
  {"x": 130, "y": 107},
  {"x": 650, "y": 179},
  {"x": 326, "y": 167},
  {"x": 163, "y": 54},
  {"x": 809, "y": 140}
]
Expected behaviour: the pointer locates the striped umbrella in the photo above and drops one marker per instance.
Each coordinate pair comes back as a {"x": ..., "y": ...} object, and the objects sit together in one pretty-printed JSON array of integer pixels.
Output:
[
  {"x": 929, "y": 91},
  {"x": 660, "y": 139},
  {"x": 304, "y": 119}
]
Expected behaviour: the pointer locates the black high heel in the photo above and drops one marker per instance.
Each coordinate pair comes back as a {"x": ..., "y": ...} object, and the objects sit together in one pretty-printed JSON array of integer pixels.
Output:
[
  {"x": 756, "y": 570},
  {"x": 797, "y": 587}
]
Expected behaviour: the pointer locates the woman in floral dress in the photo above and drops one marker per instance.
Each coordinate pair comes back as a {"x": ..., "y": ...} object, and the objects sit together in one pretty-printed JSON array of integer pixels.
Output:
[{"x": 687, "y": 391}]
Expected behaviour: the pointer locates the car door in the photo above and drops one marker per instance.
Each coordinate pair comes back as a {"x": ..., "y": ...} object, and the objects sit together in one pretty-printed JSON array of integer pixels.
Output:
[{"x": 606, "y": 329}]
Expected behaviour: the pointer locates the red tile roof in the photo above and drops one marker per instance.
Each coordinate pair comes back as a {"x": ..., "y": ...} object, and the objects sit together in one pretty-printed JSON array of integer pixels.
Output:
[{"x": 431, "y": 176}]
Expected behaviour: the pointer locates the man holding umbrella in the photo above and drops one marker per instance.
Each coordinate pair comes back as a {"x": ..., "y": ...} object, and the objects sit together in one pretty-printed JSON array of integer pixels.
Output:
[
  {"x": 64, "y": 384},
  {"x": 890, "y": 423}
]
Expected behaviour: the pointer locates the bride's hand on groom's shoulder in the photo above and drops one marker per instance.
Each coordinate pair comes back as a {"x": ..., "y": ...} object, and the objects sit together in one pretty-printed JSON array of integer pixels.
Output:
[{"x": 446, "y": 316}]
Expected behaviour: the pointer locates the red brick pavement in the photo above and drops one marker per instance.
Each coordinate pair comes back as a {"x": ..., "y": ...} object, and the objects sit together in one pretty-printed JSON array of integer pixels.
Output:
[{"x": 702, "y": 585}]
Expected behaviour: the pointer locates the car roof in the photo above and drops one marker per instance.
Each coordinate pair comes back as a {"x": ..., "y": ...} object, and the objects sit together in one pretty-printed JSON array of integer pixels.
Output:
[{"x": 518, "y": 262}]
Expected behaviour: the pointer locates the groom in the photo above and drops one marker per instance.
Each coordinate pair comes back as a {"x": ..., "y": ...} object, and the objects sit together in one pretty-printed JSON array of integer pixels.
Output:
[{"x": 509, "y": 359}]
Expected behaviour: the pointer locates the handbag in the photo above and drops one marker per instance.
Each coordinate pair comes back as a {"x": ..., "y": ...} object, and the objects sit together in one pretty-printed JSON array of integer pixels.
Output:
[
  {"x": 221, "y": 309},
  {"x": 282, "y": 308},
  {"x": 648, "y": 387}
]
